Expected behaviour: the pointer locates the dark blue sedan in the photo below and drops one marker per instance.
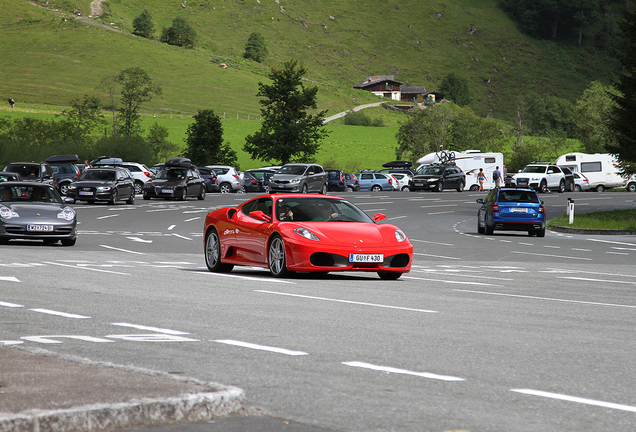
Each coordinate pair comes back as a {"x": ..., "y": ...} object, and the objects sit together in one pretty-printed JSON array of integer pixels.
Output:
[{"x": 511, "y": 209}]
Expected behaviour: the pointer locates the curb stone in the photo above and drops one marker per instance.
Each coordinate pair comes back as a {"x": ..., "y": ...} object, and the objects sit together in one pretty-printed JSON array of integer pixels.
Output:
[
  {"x": 570, "y": 230},
  {"x": 183, "y": 402}
]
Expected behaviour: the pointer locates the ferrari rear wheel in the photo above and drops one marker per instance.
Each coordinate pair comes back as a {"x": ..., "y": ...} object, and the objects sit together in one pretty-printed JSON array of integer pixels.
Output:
[
  {"x": 277, "y": 262},
  {"x": 213, "y": 253},
  {"x": 389, "y": 275}
]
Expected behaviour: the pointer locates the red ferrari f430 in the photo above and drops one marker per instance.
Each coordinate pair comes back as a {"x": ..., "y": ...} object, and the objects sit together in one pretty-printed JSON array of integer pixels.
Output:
[{"x": 289, "y": 233}]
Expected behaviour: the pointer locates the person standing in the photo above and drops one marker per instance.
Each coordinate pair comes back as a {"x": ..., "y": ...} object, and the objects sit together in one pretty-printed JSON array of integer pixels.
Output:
[
  {"x": 496, "y": 176},
  {"x": 86, "y": 165},
  {"x": 481, "y": 177}
]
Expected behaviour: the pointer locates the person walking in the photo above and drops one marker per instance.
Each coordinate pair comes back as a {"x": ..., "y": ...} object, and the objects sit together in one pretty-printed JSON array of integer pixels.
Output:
[
  {"x": 481, "y": 177},
  {"x": 497, "y": 178}
]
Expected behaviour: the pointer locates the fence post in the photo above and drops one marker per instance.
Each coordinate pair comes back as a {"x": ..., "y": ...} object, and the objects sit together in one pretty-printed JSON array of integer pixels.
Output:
[
  {"x": 571, "y": 210},
  {"x": 237, "y": 116}
]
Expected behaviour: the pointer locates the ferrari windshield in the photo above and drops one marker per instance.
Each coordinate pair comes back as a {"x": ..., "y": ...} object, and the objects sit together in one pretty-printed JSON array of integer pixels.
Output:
[{"x": 319, "y": 210}]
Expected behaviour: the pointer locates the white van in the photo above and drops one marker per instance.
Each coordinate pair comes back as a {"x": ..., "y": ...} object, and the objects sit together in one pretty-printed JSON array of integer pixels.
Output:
[
  {"x": 601, "y": 169},
  {"x": 470, "y": 161}
]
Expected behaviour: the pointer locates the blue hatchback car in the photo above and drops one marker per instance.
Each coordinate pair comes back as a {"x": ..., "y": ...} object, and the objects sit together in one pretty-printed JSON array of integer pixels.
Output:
[{"x": 511, "y": 209}]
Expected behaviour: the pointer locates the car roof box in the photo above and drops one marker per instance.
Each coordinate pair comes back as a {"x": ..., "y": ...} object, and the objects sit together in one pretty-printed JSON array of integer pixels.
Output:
[
  {"x": 63, "y": 158},
  {"x": 179, "y": 162},
  {"x": 107, "y": 161}
]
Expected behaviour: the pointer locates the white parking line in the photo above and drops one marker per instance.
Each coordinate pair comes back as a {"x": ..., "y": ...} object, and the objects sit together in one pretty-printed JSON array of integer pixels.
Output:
[
  {"x": 62, "y": 314},
  {"x": 250, "y": 278},
  {"x": 436, "y": 256},
  {"x": 183, "y": 237},
  {"x": 106, "y": 217},
  {"x": 454, "y": 282},
  {"x": 171, "y": 227},
  {"x": 597, "y": 280},
  {"x": 86, "y": 268},
  {"x": 9, "y": 279},
  {"x": 547, "y": 299},
  {"x": 260, "y": 347},
  {"x": 346, "y": 301},
  {"x": 137, "y": 239},
  {"x": 552, "y": 256},
  {"x": 11, "y": 305},
  {"x": 122, "y": 250},
  {"x": 154, "y": 329},
  {"x": 402, "y": 371},
  {"x": 576, "y": 399}
]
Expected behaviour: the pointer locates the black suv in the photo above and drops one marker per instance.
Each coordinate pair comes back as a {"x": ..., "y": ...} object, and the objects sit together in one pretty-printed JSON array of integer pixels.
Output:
[
  {"x": 438, "y": 177},
  {"x": 65, "y": 169},
  {"x": 34, "y": 171}
]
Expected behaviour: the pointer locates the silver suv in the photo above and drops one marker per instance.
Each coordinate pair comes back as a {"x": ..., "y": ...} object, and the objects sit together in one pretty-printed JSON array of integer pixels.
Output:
[
  {"x": 540, "y": 176},
  {"x": 227, "y": 178},
  {"x": 299, "y": 177}
]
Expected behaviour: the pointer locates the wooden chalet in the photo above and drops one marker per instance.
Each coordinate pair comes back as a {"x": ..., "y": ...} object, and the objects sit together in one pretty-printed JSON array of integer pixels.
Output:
[
  {"x": 412, "y": 93},
  {"x": 381, "y": 85}
]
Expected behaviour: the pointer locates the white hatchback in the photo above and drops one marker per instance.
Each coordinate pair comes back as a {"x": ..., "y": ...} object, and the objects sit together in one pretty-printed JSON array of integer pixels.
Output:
[
  {"x": 140, "y": 173},
  {"x": 227, "y": 178}
]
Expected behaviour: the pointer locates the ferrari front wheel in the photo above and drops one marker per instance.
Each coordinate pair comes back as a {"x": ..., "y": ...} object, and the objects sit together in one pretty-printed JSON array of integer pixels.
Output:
[
  {"x": 277, "y": 262},
  {"x": 213, "y": 253}
]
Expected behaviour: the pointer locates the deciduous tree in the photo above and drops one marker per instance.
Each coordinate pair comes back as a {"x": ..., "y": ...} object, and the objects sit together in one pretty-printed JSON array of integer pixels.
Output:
[
  {"x": 180, "y": 33},
  {"x": 288, "y": 132},
  {"x": 137, "y": 88}
]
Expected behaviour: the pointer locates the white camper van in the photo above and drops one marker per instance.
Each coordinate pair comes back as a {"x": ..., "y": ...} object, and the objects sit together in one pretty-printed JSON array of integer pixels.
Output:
[
  {"x": 601, "y": 169},
  {"x": 470, "y": 161}
]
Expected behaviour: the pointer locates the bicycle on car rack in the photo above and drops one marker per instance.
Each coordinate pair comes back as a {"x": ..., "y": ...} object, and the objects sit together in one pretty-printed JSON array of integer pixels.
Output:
[{"x": 446, "y": 156}]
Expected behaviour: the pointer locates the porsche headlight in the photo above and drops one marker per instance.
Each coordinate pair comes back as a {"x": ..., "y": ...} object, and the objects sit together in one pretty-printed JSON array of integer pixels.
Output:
[
  {"x": 399, "y": 235},
  {"x": 303, "y": 232},
  {"x": 103, "y": 188},
  {"x": 7, "y": 213},
  {"x": 66, "y": 213}
]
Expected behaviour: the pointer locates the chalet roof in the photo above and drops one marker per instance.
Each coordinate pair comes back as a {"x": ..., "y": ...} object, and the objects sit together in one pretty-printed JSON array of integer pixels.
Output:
[
  {"x": 374, "y": 79},
  {"x": 413, "y": 89}
]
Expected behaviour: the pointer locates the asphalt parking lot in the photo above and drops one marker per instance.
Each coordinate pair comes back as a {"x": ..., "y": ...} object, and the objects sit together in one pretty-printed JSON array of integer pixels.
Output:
[{"x": 500, "y": 332}]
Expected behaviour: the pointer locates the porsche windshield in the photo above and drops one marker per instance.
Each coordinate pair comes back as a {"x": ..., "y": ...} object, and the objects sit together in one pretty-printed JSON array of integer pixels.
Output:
[{"x": 319, "y": 210}]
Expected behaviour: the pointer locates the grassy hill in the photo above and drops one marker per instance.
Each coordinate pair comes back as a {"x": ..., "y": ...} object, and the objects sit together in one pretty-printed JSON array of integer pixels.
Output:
[{"x": 54, "y": 57}]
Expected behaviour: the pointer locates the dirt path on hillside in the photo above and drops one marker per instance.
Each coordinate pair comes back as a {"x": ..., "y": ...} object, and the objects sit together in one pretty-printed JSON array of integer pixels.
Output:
[
  {"x": 96, "y": 12},
  {"x": 96, "y": 8}
]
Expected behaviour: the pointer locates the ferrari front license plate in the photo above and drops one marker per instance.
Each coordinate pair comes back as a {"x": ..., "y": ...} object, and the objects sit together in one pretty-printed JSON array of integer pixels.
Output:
[
  {"x": 168, "y": 191},
  {"x": 370, "y": 258},
  {"x": 39, "y": 227}
]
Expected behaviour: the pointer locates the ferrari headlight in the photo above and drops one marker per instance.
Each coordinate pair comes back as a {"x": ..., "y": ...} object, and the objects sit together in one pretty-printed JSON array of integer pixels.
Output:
[
  {"x": 399, "y": 235},
  {"x": 103, "y": 188},
  {"x": 303, "y": 232},
  {"x": 7, "y": 213},
  {"x": 66, "y": 213}
]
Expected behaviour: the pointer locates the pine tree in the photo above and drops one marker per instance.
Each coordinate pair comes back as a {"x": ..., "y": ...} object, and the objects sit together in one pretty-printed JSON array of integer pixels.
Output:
[
  {"x": 255, "y": 48},
  {"x": 180, "y": 33},
  {"x": 456, "y": 89},
  {"x": 143, "y": 25}
]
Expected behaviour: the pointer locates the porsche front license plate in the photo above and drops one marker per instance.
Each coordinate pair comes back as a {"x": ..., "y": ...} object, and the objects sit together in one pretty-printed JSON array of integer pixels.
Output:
[
  {"x": 370, "y": 258},
  {"x": 39, "y": 227}
]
